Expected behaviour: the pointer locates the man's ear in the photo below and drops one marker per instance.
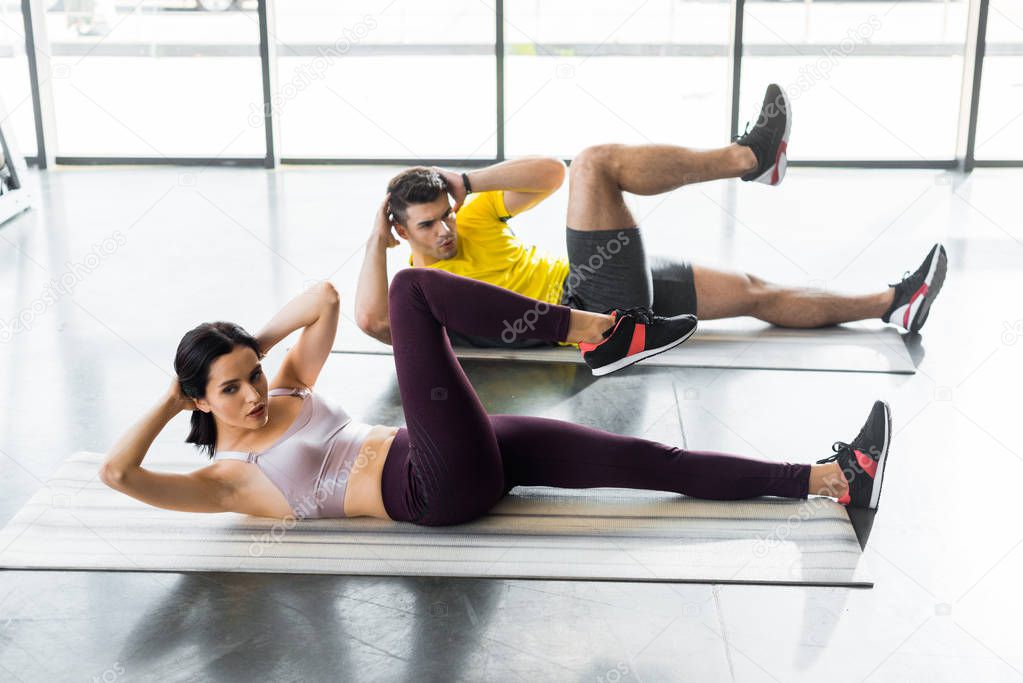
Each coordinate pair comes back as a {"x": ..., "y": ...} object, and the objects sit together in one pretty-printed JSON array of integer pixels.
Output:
[{"x": 400, "y": 229}]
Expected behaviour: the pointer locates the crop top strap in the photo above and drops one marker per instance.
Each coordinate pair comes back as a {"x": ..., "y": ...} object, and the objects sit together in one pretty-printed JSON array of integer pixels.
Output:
[
  {"x": 233, "y": 455},
  {"x": 289, "y": 391}
]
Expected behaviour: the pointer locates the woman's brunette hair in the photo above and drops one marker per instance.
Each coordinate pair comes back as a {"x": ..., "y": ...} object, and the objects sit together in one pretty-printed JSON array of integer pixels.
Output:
[{"x": 196, "y": 352}]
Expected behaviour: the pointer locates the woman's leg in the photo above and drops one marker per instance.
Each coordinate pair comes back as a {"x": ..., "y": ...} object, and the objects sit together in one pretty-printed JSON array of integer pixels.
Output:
[
  {"x": 537, "y": 451},
  {"x": 447, "y": 468}
]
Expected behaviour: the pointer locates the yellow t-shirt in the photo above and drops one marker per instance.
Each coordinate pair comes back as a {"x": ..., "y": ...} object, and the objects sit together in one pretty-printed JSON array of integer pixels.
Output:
[{"x": 488, "y": 250}]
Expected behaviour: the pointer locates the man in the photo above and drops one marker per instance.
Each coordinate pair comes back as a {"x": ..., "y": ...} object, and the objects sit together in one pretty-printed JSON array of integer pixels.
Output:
[{"x": 607, "y": 267}]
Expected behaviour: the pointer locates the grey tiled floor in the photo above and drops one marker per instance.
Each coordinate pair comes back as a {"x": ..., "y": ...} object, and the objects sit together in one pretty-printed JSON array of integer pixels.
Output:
[{"x": 945, "y": 550}]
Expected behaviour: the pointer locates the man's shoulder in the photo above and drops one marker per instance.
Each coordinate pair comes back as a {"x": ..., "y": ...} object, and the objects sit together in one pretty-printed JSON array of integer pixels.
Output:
[{"x": 485, "y": 207}]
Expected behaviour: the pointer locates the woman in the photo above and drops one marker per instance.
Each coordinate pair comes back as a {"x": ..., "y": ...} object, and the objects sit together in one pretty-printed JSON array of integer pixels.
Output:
[{"x": 280, "y": 450}]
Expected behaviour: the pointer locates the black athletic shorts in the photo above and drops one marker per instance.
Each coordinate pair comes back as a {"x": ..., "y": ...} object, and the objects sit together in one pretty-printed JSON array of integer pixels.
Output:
[{"x": 609, "y": 269}]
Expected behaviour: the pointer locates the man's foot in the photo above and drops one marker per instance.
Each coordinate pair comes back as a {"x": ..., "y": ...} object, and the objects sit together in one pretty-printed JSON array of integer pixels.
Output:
[
  {"x": 769, "y": 137},
  {"x": 636, "y": 334},
  {"x": 863, "y": 460},
  {"x": 915, "y": 294}
]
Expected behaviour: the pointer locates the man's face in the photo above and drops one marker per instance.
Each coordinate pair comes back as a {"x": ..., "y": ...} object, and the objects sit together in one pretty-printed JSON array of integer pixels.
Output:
[{"x": 431, "y": 230}]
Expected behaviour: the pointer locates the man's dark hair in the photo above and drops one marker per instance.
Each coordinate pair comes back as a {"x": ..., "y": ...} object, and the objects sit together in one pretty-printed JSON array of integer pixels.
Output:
[{"x": 416, "y": 185}]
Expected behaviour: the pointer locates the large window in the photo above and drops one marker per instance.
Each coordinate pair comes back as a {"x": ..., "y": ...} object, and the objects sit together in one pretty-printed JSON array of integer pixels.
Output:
[
  {"x": 1000, "y": 115},
  {"x": 868, "y": 80},
  {"x": 366, "y": 80},
  {"x": 610, "y": 71},
  {"x": 14, "y": 84},
  {"x": 386, "y": 79},
  {"x": 156, "y": 78}
]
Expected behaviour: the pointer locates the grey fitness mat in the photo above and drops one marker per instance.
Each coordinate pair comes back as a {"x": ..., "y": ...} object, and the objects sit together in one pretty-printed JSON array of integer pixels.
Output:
[
  {"x": 725, "y": 344},
  {"x": 76, "y": 522}
]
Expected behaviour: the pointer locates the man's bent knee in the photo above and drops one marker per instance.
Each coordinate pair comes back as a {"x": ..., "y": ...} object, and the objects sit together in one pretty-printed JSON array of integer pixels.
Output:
[{"x": 597, "y": 161}]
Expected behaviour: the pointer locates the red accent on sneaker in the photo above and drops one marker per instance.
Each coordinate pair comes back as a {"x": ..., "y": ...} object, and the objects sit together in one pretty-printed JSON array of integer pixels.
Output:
[
  {"x": 845, "y": 500},
  {"x": 638, "y": 342},
  {"x": 868, "y": 464},
  {"x": 777, "y": 158},
  {"x": 586, "y": 347},
  {"x": 909, "y": 307}
]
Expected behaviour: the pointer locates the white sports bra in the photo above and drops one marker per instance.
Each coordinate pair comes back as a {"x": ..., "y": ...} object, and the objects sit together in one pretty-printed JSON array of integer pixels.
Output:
[{"x": 313, "y": 459}]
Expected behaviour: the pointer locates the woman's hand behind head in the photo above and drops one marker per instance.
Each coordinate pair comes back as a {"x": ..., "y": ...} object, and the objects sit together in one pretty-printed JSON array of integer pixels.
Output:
[{"x": 178, "y": 396}]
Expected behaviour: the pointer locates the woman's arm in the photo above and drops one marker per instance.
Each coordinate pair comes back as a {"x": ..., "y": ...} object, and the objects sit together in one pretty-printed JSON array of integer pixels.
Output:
[
  {"x": 199, "y": 491},
  {"x": 316, "y": 312}
]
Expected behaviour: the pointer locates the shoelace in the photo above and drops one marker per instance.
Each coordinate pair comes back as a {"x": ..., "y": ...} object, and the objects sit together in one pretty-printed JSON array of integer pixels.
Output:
[
  {"x": 838, "y": 447},
  {"x": 640, "y": 313},
  {"x": 905, "y": 276},
  {"x": 745, "y": 132}
]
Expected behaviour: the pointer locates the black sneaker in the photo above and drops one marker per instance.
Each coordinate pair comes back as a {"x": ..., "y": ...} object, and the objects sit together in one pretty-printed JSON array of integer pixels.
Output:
[
  {"x": 636, "y": 334},
  {"x": 863, "y": 460},
  {"x": 769, "y": 138},
  {"x": 915, "y": 294}
]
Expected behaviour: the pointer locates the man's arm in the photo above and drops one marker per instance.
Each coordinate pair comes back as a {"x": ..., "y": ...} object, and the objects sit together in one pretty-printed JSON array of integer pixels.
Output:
[
  {"x": 526, "y": 182},
  {"x": 371, "y": 310}
]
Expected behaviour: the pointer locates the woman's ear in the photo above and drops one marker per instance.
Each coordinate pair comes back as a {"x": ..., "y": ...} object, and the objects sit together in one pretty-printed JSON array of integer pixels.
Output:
[{"x": 203, "y": 405}]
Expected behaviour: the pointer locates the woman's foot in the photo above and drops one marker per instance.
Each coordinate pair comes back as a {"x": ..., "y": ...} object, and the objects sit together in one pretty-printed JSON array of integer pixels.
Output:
[
  {"x": 862, "y": 461},
  {"x": 636, "y": 334}
]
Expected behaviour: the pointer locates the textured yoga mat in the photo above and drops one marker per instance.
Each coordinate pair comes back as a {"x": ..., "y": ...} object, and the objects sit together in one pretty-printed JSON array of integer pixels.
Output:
[
  {"x": 76, "y": 522},
  {"x": 724, "y": 344}
]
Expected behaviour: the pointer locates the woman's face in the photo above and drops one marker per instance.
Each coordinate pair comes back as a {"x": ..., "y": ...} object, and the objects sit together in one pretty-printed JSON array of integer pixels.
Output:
[{"x": 236, "y": 392}]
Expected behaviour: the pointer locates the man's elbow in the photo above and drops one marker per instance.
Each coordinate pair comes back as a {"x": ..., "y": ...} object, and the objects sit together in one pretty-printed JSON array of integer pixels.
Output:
[
  {"x": 554, "y": 172},
  {"x": 364, "y": 320},
  {"x": 381, "y": 331},
  {"x": 374, "y": 326}
]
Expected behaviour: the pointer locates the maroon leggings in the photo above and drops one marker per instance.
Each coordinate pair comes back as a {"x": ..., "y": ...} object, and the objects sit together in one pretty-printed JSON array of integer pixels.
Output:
[{"x": 453, "y": 462}]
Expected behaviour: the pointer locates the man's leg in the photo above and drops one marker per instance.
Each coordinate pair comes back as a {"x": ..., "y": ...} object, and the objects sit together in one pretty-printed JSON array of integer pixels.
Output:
[
  {"x": 724, "y": 294},
  {"x": 600, "y": 174}
]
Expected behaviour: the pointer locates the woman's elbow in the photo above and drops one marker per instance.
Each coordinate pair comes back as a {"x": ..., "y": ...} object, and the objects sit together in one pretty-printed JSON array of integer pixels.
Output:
[
  {"x": 111, "y": 476},
  {"x": 328, "y": 294}
]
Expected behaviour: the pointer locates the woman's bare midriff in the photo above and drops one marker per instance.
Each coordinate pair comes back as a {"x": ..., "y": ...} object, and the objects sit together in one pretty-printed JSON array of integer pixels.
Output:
[{"x": 363, "y": 497}]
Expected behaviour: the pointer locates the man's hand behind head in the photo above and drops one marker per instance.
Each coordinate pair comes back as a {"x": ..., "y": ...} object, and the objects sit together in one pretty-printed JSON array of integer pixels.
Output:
[
  {"x": 383, "y": 224},
  {"x": 456, "y": 187}
]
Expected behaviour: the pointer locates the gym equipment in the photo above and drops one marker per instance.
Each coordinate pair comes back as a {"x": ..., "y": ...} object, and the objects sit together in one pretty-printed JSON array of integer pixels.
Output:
[{"x": 13, "y": 197}]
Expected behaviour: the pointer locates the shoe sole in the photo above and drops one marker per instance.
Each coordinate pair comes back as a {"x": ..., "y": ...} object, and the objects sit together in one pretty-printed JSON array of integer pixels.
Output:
[
  {"x": 636, "y": 357},
  {"x": 782, "y": 163},
  {"x": 875, "y": 492},
  {"x": 939, "y": 266}
]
